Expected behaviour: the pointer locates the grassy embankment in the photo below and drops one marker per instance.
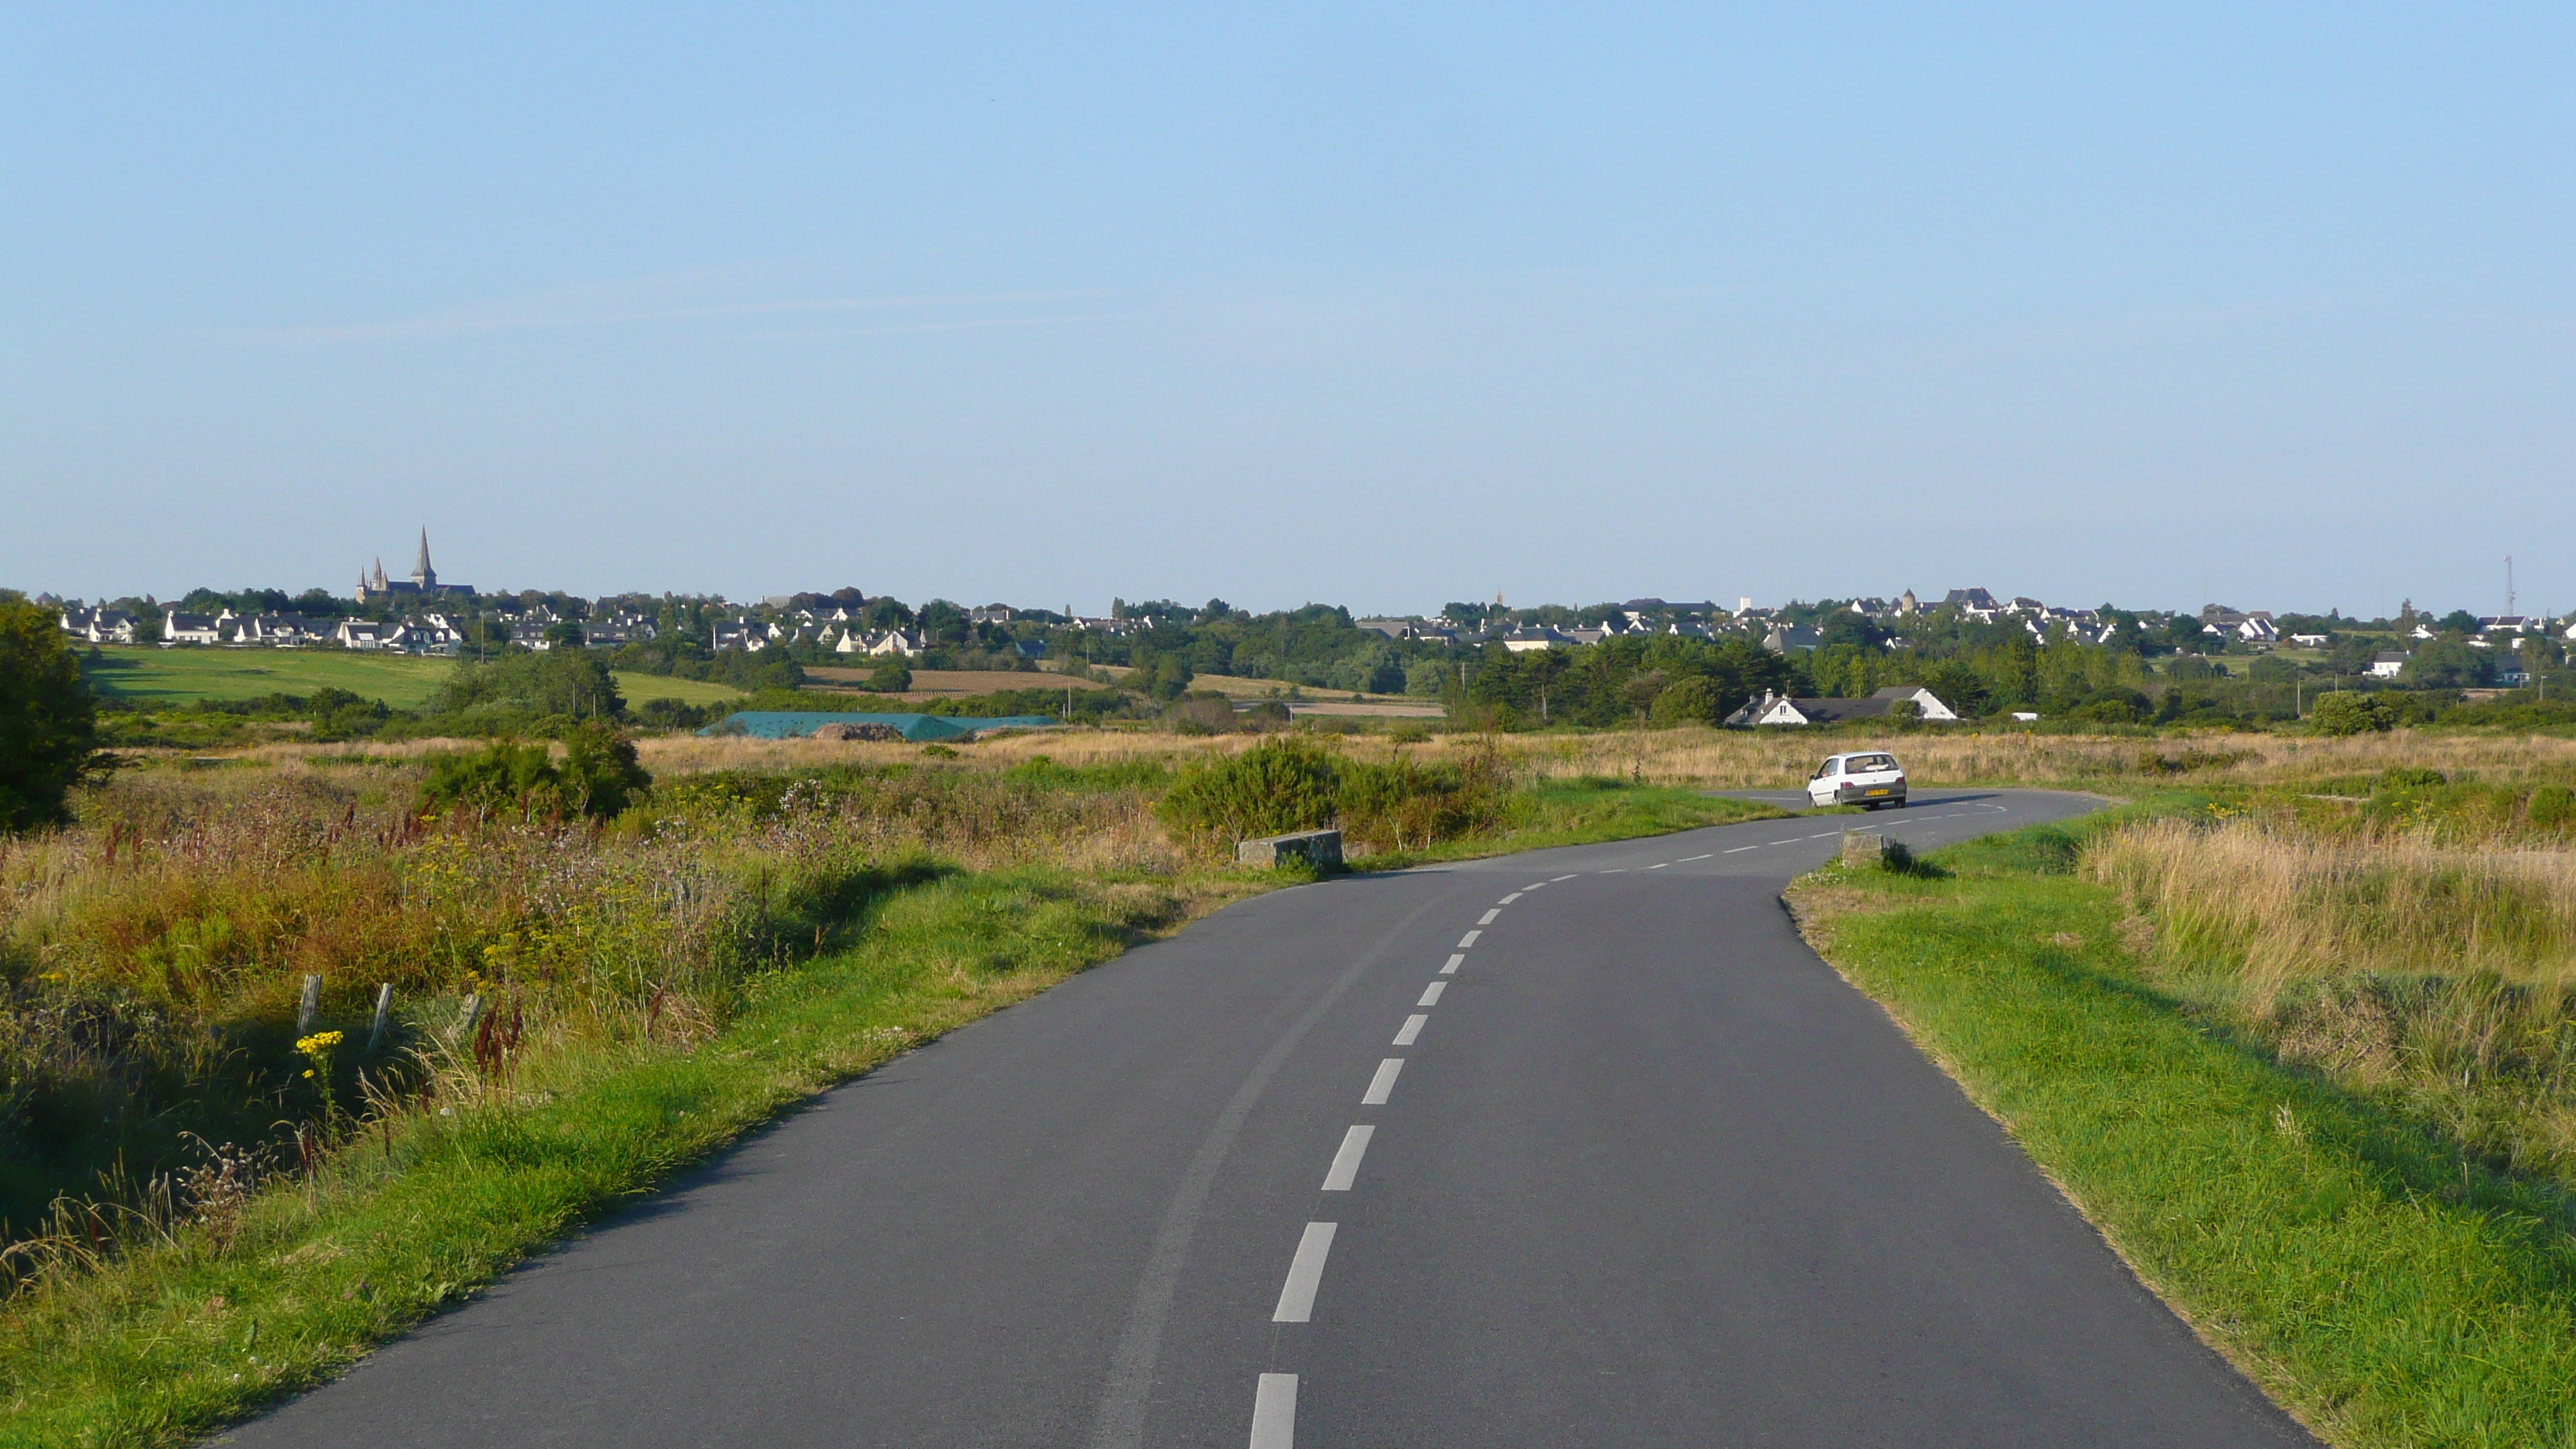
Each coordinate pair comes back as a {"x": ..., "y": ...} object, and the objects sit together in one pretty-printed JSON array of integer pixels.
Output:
[
  {"x": 2300, "y": 1048},
  {"x": 650, "y": 991}
]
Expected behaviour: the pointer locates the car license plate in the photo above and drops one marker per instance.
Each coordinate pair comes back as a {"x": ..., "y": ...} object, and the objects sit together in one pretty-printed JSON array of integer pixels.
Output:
[{"x": 1880, "y": 791}]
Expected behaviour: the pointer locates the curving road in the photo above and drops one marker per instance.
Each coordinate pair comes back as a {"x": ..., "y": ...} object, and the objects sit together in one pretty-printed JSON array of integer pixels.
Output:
[{"x": 1582, "y": 1146}]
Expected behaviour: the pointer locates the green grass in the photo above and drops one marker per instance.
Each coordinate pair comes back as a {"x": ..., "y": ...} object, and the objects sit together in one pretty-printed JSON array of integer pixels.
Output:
[
  {"x": 640, "y": 687},
  {"x": 181, "y": 1338},
  {"x": 184, "y": 676},
  {"x": 2370, "y": 1274},
  {"x": 1586, "y": 812}
]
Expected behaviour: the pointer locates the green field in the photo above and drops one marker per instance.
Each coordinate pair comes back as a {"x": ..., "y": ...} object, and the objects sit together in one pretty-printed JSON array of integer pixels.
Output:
[{"x": 184, "y": 676}]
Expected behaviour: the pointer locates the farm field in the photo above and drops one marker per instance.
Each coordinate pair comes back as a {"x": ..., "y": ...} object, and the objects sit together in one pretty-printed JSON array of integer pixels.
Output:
[
  {"x": 180, "y": 676},
  {"x": 183, "y": 676},
  {"x": 938, "y": 683}
]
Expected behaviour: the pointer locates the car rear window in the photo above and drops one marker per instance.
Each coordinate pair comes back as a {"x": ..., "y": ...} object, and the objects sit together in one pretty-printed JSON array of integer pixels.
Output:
[{"x": 1861, "y": 764}]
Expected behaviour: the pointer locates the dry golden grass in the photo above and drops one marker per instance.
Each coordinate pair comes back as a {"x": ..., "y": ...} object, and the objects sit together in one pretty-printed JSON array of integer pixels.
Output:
[{"x": 2279, "y": 905}]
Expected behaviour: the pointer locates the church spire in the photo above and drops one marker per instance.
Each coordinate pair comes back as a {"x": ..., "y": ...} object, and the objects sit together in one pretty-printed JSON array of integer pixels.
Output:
[{"x": 421, "y": 573}]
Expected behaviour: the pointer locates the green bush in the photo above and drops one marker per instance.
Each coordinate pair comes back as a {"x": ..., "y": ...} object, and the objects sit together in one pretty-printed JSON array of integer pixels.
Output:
[
  {"x": 1284, "y": 784},
  {"x": 2552, "y": 807},
  {"x": 1403, "y": 804},
  {"x": 599, "y": 777},
  {"x": 2351, "y": 714},
  {"x": 890, "y": 678}
]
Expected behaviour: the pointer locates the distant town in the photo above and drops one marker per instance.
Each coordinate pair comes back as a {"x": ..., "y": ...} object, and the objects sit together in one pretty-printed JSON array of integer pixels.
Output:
[{"x": 1939, "y": 656}]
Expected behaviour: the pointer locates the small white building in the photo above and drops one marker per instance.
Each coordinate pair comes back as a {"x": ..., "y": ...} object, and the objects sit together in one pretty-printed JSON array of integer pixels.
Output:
[
  {"x": 178, "y": 628},
  {"x": 2386, "y": 664}
]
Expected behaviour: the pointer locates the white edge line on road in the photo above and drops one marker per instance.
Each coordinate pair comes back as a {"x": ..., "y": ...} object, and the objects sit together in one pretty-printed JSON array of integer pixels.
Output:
[
  {"x": 1431, "y": 993},
  {"x": 1468, "y": 940},
  {"x": 1346, "y": 1163},
  {"x": 1487, "y": 918},
  {"x": 1452, "y": 968},
  {"x": 1274, "y": 1412},
  {"x": 1382, "y": 1085},
  {"x": 1412, "y": 1029},
  {"x": 1305, "y": 1275}
]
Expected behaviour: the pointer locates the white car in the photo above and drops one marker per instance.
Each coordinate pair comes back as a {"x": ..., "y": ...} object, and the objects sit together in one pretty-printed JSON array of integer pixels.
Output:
[{"x": 1869, "y": 779}]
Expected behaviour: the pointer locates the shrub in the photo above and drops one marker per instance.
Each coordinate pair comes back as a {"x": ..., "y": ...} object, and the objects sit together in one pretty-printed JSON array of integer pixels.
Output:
[
  {"x": 599, "y": 777},
  {"x": 1201, "y": 714},
  {"x": 890, "y": 678},
  {"x": 2552, "y": 807},
  {"x": 1405, "y": 804},
  {"x": 2351, "y": 714},
  {"x": 1287, "y": 783}
]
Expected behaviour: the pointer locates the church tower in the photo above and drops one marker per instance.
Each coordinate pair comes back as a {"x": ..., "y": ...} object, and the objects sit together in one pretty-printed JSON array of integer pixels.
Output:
[{"x": 422, "y": 575}]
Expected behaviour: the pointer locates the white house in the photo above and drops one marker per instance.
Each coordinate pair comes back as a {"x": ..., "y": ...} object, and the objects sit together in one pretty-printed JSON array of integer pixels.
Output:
[
  {"x": 365, "y": 634},
  {"x": 178, "y": 628},
  {"x": 1780, "y": 709},
  {"x": 2309, "y": 641},
  {"x": 742, "y": 634},
  {"x": 99, "y": 626},
  {"x": 897, "y": 644},
  {"x": 2386, "y": 664}
]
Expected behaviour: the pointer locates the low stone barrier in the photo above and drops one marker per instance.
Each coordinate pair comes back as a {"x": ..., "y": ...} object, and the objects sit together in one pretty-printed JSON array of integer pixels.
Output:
[{"x": 1315, "y": 847}]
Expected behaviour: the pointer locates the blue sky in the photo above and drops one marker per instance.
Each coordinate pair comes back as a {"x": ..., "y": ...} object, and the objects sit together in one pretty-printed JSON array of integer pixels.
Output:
[{"x": 1049, "y": 304}]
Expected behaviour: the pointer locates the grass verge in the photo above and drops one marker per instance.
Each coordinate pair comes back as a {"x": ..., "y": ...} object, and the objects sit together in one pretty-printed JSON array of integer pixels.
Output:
[
  {"x": 1584, "y": 811},
  {"x": 2375, "y": 1278},
  {"x": 220, "y": 1318}
]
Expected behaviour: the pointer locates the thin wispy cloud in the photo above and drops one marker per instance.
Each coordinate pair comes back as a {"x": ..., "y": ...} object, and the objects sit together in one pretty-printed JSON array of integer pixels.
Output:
[
  {"x": 963, "y": 326},
  {"x": 517, "y": 317}
]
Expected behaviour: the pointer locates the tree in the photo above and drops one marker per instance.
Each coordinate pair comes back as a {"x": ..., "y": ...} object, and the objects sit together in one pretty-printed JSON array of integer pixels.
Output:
[
  {"x": 2341, "y": 714},
  {"x": 1695, "y": 700},
  {"x": 48, "y": 720},
  {"x": 890, "y": 677},
  {"x": 2446, "y": 664},
  {"x": 2458, "y": 621}
]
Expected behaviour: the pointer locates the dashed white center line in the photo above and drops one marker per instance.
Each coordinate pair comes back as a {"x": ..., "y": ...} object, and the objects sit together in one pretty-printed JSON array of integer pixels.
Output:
[
  {"x": 1452, "y": 968},
  {"x": 1659, "y": 865},
  {"x": 1739, "y": 850},
  {"x": 1346, "y": 1163},
  {"x": 1507, "y": 900},
  {"x": 1487, "y": 918},
  {"x": 1555, "y": 878},
  {"x": 1431, "y": 993},
  {"x": 1828, "y": 835},
  {"x": 1614, "y": 870},
  {"x": 1274, "y": 1412},
  {"x": 1468, "y": 940},
  {"x": 1687, "y": 859},
  {"x": 1412, "y": 1029},
  {"x": 1305, "y": 1275},
  {"x": 1792, "y": 840},
  {"x": 1382, "y": 1085}
]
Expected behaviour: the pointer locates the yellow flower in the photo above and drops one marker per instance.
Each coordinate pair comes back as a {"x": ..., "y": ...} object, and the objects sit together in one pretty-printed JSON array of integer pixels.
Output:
[
  {"x": 318, "y": 1043},
  {"x": 308, "y": 1071}
]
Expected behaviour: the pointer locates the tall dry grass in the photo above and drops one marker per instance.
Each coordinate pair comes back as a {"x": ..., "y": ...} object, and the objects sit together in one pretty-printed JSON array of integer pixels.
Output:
[
  {"x": 2402, "y": 962},
  {"x": 2277, "y": 905}
]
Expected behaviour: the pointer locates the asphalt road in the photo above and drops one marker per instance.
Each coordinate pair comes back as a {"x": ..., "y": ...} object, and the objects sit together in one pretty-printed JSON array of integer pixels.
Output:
[{"x": 1648, "y": 1173}]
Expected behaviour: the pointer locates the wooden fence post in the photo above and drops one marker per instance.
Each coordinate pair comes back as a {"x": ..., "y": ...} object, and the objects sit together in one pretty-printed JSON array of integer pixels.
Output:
[
  {"x": 306, "y": 1008},
  {"x": 384, "y": 1011}
]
